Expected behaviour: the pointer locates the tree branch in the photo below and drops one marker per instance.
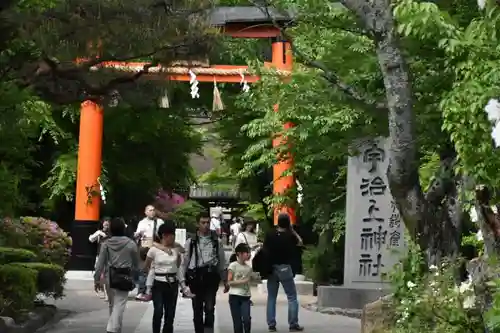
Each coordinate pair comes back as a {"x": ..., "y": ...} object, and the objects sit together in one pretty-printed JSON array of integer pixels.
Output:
[
  {"x": 53, "y": 70},
  {"x": 355, "y": 96}
]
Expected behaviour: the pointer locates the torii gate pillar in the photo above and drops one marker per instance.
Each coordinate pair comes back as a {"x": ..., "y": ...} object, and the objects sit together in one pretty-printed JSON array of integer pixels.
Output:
[
  {"x": 282, "y": 59},
  {"x": 88, "y": 196}
]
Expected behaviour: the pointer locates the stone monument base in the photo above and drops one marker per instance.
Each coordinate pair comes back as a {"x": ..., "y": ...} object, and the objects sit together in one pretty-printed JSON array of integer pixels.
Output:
[
  {"x": 347, "y": 297},
  {"x": 303, "y": 287}
]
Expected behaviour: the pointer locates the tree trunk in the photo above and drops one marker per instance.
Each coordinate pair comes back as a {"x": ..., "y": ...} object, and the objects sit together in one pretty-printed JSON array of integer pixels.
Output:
[
  {"x": 434, "y": 220},
  {"x": 488, "y": 220}
]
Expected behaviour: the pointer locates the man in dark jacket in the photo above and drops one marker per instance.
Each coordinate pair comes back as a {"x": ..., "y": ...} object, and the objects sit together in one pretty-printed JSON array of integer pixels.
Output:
[{"x": 281, "y": 247}]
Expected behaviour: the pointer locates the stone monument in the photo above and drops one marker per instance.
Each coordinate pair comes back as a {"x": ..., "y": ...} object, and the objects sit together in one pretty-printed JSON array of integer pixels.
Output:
[{"x": 374, "y": 239}]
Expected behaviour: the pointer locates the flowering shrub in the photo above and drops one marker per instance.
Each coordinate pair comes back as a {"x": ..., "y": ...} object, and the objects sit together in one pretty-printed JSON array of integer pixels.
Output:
[
  {"x": 430, "y": 299},
  {"x": 43, "y": 237}
]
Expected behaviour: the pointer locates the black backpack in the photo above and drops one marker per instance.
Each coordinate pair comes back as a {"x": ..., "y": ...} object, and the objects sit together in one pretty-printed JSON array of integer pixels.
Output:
[{"x": 261, "y": 263}]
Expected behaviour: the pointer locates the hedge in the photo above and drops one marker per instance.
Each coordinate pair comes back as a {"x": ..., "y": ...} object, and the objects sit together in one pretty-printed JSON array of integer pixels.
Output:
[
  {"x": 50, "y": 278},
  {"x": 9, "y": 255},
  {"x": 18, "y": 289}
]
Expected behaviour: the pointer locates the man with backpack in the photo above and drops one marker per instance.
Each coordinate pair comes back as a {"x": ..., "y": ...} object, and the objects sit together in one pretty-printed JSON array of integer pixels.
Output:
[{"x": 204, "y": 269}]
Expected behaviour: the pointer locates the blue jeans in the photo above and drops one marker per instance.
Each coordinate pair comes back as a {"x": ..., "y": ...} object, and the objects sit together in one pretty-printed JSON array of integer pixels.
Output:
[
  {"x": 240, "y": 312},
  {"x": 141, "y": 281},
  {"x": 282, "y": 274}
]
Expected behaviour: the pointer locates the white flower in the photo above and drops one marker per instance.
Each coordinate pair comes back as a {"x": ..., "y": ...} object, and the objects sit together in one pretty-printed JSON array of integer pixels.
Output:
[
  {"x": 410, "y": 284},
  {"x": 473, "y": 215},
  {"x": 493, "y": 109},
  {"x": 481, "y": 4},
  {"x": 469, "y": 302},
  {"x": 495, "y": 134},
  {"x": 433, "y": 267},
  {"x": 479, "y": 235},
  {"x": 465, "y": 286}
]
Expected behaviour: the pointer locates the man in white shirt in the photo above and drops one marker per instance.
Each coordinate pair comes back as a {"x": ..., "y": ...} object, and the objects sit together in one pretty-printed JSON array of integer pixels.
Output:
[
  {"x": 145, "y": 234},
  {"x": 215, "y": 224},
  {"x": 235, "y": 229}
]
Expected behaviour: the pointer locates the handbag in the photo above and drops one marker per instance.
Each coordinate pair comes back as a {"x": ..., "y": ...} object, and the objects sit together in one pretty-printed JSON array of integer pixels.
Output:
[
  {"x": 121, "y": 278},
  {"x": 261, "y": 264}
]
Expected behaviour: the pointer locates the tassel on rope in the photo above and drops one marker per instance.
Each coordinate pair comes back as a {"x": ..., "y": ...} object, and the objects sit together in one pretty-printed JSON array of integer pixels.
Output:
[
  {"x": 164, "y": 101},
  {"x": 217, "y": 104},
  {"x": 101, "y": 190},
  {"x": 194, "y": 85},
  {"x": 244, "y": 84},
  {"x": 114, "y": 98}
]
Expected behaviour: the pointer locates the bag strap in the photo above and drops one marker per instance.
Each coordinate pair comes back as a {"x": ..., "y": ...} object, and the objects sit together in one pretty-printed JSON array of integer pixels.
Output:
[
  {"x": 215, "y": 244},
  {"x": 244, "y": 236},
  {"x": 155, "y": 224},
  {"x": 192, "y": 247}
]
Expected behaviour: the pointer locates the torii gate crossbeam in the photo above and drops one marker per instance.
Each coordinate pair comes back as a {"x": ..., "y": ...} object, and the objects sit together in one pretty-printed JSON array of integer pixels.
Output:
[{"x": 87, "y": 200}]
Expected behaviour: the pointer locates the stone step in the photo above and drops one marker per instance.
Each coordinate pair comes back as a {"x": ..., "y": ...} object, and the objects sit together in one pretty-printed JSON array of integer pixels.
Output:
[{"x": 303, "y": 287}]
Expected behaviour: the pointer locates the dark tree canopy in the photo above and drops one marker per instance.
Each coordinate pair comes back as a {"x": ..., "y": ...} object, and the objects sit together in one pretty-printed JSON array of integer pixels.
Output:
[{"x": 55, "y": 33}]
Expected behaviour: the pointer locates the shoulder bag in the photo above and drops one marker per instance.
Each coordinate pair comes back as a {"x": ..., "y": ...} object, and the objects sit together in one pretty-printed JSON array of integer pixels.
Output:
[{"x": 120, "y": 278}]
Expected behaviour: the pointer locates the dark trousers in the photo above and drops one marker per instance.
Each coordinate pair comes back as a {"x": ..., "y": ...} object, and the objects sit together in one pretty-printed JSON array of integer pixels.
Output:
[
  {"x": 240, "y": 312},
  {"x": 204, "y": 285},
  {"x": 164, "y": 303}
]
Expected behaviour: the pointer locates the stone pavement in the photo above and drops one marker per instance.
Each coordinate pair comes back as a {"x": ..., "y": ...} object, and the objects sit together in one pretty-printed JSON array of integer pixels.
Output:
[{"x": 83, "y": 312}]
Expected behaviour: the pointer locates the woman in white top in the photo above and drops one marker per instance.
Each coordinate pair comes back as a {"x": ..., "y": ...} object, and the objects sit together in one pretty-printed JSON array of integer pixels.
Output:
[
  {"x": 165, "y": 260},
  {"x": 248, "y": 235}
]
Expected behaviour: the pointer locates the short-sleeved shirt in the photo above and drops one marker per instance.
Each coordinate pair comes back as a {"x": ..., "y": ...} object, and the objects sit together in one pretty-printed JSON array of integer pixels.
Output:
[
  {"x": 214, "y": 224},
  {"x": 240, "y": 272},
  {"x": 146, "y": 226},
  {"x": 235, "y": 228},
  {"x": 246, "y": 237},
  {"x": 163, "y": 263}
]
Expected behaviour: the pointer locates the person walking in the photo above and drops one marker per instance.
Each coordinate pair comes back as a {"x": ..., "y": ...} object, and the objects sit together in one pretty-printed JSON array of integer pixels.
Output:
[
  {"x": 145, "y": 235},
  {"x": 99, "y": 237},
  {"x": 235, "y": 229},
  {"x": 151, "y": 273},
  {"x": 118, "y": 259},
  {"x": 204, "y": 268},
  {"x": 216, "y": 223},
  {"x": 164, "y": 260},
  {"x": 239, "y": 275},
  {"x": 247, "y": 235},
  {"x": 281, "y": 245}
]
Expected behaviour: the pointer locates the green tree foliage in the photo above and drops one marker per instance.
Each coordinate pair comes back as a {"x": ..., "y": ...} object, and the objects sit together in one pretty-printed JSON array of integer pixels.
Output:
[
  {"x": 349, "y": 83},
  {"x": 53, "y": 34},
  {"x": 145, "y": 148}
]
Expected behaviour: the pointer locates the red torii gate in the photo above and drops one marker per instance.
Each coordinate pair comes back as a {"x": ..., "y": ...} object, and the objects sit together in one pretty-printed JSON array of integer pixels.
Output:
[{"x": 88, "y": 200}]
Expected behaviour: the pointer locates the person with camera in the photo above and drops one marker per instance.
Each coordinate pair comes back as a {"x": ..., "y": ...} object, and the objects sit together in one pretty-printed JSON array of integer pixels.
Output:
[
  {"x": 118, "y": 260},
  {"x": 99, "y": 237},
  {"x": 146, "y": 235},
  {"x": 204, "y": 268}
]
